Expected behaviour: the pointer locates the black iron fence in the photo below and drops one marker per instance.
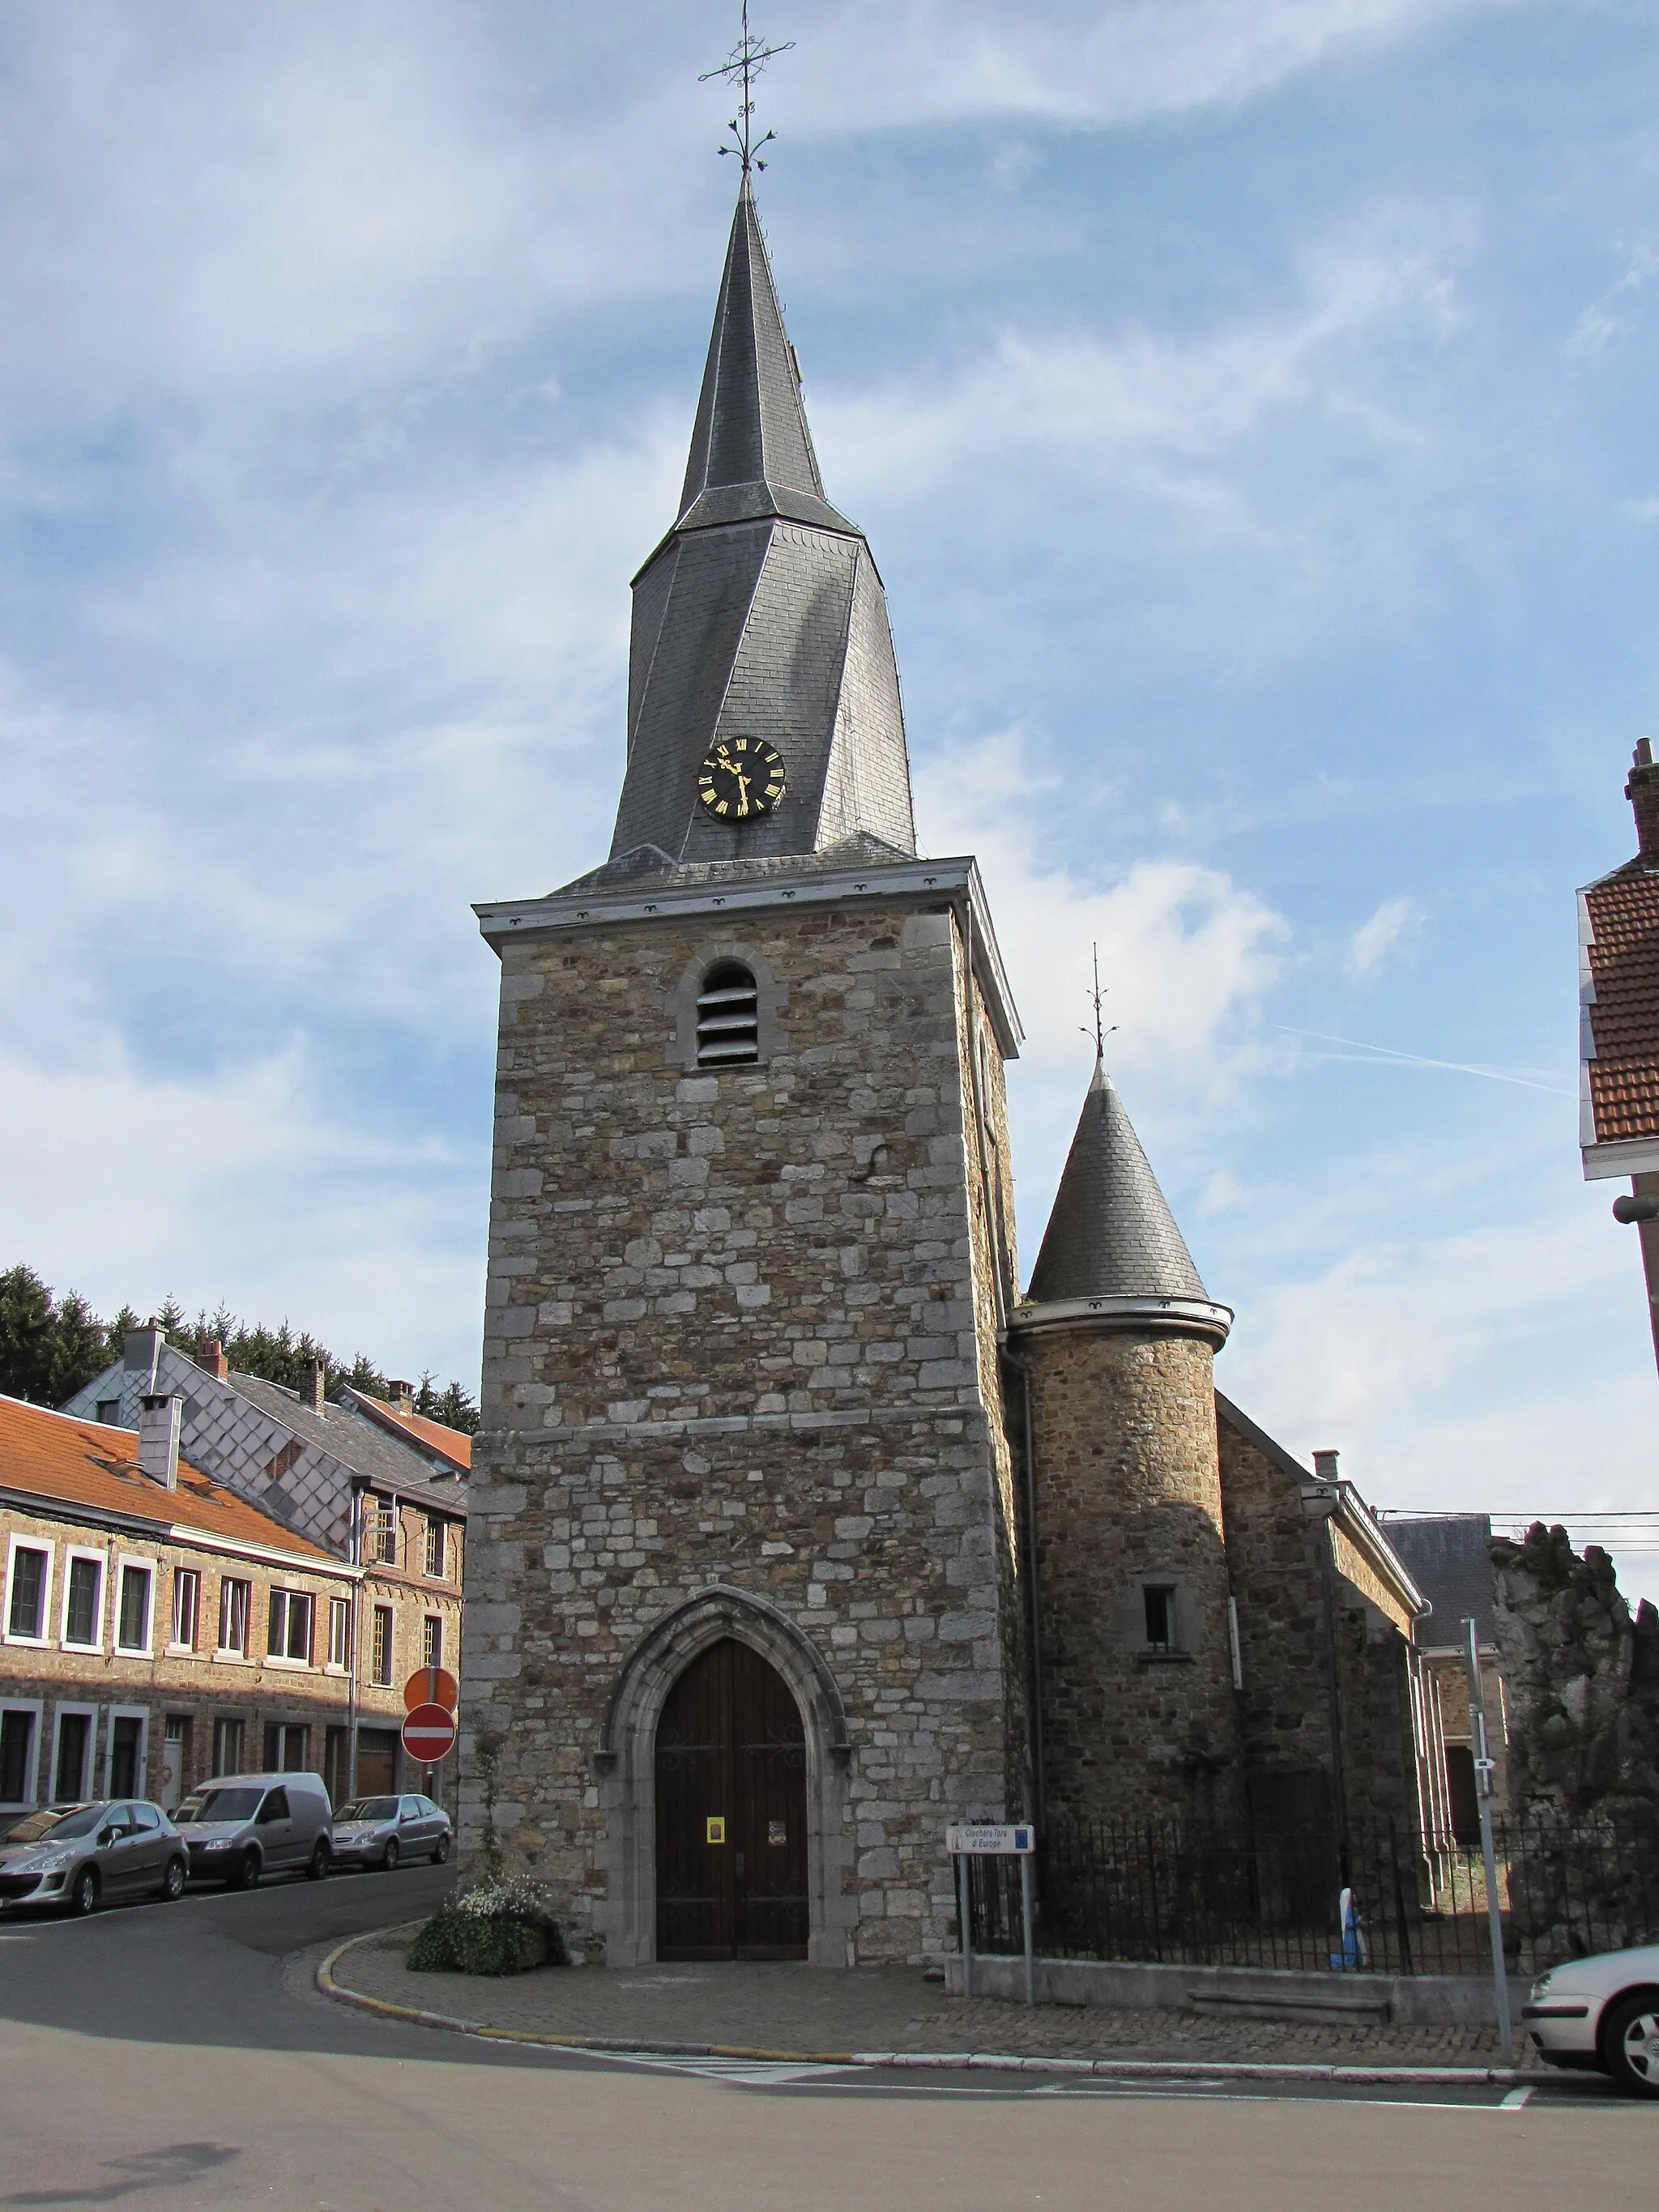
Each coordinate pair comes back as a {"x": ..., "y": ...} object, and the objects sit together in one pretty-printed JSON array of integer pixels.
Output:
[{"x": 1186, "y": 1895}]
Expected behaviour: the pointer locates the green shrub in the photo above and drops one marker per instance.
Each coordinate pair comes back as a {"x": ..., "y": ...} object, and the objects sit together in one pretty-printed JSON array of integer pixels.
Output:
[{"x": 501, "y": 1927}]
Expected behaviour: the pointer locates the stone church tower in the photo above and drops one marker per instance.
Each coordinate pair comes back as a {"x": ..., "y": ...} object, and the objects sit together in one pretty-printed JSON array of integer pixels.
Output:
[
  {"x": 744, "y": 1617},
  {"x": 795, "y": 1533}
]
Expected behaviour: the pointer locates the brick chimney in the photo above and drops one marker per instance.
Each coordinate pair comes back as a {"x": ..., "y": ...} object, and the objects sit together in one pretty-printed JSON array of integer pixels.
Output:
[
  {"x": 403, "y": 1396},
  {"x": 1642, "y": 793},
  {"x": 158, "y": 1439},
  {"x": 211, "y": 1359},
  {"x": 313, "y": 1385}
]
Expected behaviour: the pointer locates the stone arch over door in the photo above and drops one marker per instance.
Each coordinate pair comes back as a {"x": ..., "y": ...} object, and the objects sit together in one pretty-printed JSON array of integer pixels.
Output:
[{"x": 626, "y": 1766}]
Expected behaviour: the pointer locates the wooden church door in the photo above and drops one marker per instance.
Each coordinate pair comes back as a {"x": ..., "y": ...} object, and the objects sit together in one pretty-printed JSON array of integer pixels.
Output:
[{"x": 730, "y": 1812}]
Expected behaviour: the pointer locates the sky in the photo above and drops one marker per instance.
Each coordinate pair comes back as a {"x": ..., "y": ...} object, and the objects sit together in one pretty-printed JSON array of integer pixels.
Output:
[{"x": 1251, "y": 411}]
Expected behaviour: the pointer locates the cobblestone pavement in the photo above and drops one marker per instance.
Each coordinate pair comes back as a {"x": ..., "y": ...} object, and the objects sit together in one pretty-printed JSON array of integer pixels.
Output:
[{"x": 787, "y": 2008}]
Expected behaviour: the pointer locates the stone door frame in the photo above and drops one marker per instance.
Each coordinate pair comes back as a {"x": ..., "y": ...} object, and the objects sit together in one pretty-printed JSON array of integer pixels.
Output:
[{"x": 626, "y": 1767}]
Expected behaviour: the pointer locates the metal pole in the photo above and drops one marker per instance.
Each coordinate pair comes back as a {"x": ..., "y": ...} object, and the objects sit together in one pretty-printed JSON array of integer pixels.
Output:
[
  {"x": 1483, "y": 1773},
  {"x": 964, "y": 1914},
  {"x": 1025, "y": 1916}
]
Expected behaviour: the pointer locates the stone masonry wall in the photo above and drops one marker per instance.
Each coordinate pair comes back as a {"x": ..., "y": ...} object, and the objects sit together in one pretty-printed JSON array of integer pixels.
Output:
[
  {"x": 1278, "y": 1585},
  {"x": 735, "y": 1335},
  {"x": 1129, "y": 1492}
]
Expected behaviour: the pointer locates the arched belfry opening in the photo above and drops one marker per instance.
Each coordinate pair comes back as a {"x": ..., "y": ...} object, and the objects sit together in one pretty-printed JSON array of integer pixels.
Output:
[
  {"x": 730, "y": 1790},
  {"x": 725, "y": 1711}
]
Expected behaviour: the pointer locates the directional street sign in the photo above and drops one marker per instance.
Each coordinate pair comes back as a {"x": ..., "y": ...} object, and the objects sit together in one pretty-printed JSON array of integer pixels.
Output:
[
  {"x": 431, "y": 1686},
  {"x": 428, "y": 1735},
  {"x": 983, "y": 1841}
]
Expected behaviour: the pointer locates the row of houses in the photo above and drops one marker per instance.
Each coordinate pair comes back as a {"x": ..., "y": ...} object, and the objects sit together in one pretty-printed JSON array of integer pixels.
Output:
[{"x": 206, "y": 1573}]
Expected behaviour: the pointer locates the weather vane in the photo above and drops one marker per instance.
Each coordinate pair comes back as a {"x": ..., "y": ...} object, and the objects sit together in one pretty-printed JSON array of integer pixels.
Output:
[
  {"x": 740, "y": 67},
  {"x": 1097, "y": 998}
]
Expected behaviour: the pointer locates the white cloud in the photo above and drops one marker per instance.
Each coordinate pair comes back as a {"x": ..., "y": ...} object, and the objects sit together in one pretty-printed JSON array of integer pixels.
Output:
[
  {"x": 1497, "y": 1368},
  {"x": 1371, "y": 943},
  {"x": 1102, "y": 62},
  {"x": 240, "y": 1185}
]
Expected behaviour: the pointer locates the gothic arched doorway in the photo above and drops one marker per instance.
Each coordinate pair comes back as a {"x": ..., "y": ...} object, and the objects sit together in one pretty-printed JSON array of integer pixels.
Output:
[{"x": 731, "y": 1790}]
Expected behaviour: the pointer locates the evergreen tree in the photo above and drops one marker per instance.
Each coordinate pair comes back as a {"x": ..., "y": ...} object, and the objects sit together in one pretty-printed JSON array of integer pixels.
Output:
[
  {"x": 80, "y": 1348},
  {"x": 27, "y": 1334}
]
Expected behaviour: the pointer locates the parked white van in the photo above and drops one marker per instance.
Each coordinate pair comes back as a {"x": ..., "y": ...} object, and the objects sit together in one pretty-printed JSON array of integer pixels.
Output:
[{"x": 240, "y": 1827}]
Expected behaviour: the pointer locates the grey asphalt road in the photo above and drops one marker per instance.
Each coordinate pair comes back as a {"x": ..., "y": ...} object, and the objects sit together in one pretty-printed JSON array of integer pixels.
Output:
[{"x": 180, "y": 2056}]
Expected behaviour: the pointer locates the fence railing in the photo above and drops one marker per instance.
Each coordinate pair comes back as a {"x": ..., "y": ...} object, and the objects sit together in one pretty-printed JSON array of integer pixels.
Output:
[{"x": 1261, "y": 1896}]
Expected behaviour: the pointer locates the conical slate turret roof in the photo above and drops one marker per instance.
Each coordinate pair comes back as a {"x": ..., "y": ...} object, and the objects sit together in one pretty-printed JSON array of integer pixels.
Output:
[
  {"x": 761, "y": 614},
  {"x": 1111, "y": 1234}
]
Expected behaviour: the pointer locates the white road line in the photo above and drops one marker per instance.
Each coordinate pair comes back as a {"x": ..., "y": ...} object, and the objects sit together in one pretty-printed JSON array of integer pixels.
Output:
[{"x": 1513, "y": 2101}]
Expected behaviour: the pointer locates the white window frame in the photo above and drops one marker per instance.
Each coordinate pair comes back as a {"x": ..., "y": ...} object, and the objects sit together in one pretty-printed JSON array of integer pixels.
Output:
[
  {"x": 388, "y": 1520},
  {"x": 429, "y": 1621},
  {"x": 229, "y": 1652},
  {"x": 140, "y": 1713},
  {"x": 283, "y": 1658},
  {"x": 339, "y": 1615},
  {"x": 71, "y": 1554},
  {"x": 145, "y": 1566},
  {"x": 223, "y": 1721},
  {"x": 195, "y": 1643},
  {"x": 37, "y": 1707},
  {"x": 65, "y": 1709},
  {"x": 18, "y": 1542}
]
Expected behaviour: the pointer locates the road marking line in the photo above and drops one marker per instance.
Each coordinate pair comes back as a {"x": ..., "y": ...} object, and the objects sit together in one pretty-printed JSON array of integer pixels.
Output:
[{"x": 1513, "y": 2101}]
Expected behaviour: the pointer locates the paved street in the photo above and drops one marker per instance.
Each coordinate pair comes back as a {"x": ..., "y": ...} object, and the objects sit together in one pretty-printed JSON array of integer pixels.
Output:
[{"x": 181, "y": 2057}]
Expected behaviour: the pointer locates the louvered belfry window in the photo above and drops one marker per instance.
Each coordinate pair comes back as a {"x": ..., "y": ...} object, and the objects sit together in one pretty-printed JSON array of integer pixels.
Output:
[{"x": 729, "y": 1018}]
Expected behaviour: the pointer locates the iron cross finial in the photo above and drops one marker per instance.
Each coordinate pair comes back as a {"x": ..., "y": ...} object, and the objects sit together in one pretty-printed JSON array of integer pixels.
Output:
[
  {"x": 1098, "y": 997},
  {"x": 740, "y": 67}
]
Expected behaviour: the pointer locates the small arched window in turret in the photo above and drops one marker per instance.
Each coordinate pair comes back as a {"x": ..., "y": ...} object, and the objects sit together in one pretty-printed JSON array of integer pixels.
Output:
[{"x": 728, "y": 1017}]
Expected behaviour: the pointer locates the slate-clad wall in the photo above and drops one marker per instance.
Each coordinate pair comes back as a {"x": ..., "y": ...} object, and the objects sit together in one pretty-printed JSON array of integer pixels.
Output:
[
  {"x": 1128, "y": 1493},
  {"x": 733, "y": 1337}
]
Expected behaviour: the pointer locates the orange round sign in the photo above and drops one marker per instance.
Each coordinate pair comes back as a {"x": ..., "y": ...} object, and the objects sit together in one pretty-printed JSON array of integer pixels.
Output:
[
  {"x": 428, "y": 1735},
  {"x": 431, "y": 1686}
]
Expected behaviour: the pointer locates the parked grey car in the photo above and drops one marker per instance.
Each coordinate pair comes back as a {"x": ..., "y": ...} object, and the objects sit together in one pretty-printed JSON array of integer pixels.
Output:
[
  {"x": 76, "y": 1856},
  {"x": 240, "y": 1826},
  {"x": 381, "y": 1830}
]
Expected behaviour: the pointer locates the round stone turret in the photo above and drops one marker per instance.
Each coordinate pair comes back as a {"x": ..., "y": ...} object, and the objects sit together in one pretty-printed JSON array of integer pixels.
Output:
[{"x": 1117, "y": 1337}]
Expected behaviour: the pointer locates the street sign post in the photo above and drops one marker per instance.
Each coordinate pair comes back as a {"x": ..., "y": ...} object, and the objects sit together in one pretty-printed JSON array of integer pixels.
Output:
[
  {"x": 428, "y": 1735},
  {"x": 1484, "y": 1768},
  {"x": 990, "y": 1840},
  {"x": 432, "y": 1686}
]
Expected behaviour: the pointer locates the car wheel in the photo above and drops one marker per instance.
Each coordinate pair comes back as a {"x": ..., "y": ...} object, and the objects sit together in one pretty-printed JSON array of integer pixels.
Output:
[
  {"x": 245, "y": 1873},
  {"x": 1630, "y": 2043},
  {"x": 441, "y": 1851},
  {"x": 319, "y": 1861},
  {"x": 172, "y": 1881},
  {"x": 83, "y": 1898},
  {"x": 389, "y": 1855}
]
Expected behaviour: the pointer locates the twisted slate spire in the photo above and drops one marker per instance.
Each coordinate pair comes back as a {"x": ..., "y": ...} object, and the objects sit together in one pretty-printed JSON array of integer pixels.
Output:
[
  {"x": 761, "y": 614},
  {"x": 1111, "y": 1234}
]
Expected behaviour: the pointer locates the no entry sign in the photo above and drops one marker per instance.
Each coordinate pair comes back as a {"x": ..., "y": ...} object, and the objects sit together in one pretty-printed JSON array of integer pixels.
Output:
[{"x": 428, "y": 1735}]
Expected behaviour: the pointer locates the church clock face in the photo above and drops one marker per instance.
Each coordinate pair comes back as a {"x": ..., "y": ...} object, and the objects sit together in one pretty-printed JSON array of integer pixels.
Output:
[{"x": 741, "y": 778}]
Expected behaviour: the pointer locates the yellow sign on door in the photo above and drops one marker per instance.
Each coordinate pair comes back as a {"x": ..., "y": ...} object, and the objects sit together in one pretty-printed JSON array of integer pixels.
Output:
[{"x": 716, "y": 1830}]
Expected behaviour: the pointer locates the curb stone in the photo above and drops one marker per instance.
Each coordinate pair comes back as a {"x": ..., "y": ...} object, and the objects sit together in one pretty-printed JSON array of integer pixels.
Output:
[{"x": 1120, "y": 2070}]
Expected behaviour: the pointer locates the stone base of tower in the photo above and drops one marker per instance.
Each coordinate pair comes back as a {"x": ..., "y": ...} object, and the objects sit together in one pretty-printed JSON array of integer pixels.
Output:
[{"x": 1138, "y": 1709}]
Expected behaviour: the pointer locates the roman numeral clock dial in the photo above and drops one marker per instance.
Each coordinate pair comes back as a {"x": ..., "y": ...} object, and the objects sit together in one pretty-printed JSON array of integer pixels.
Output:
[{"x": 741, "y": 778}]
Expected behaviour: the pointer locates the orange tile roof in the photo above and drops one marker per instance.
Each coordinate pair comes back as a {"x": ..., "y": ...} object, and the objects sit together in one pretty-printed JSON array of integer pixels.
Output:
[
  {"x": 1623, "y": 966},
  {"x": 454, "y": 1444},
  {"x": 84, "y": 1463}
]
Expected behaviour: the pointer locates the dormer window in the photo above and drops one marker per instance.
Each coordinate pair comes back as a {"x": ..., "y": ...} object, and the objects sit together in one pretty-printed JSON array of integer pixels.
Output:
[{"x": 728, "y": 1017}]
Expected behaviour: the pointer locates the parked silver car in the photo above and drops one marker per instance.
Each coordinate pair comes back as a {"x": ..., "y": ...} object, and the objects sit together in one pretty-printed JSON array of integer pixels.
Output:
[
  {"x": 381, "y": 1830},
  {"x": 76, "y": 1856},
  {"x": 1602, "y": 2014},
  {"x": 240, "y": 1827}
]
